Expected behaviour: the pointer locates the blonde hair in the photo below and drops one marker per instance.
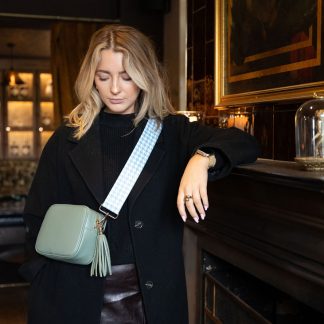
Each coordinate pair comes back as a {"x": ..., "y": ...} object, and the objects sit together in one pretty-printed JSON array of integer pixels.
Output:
[{"x": 141, "y": 64}]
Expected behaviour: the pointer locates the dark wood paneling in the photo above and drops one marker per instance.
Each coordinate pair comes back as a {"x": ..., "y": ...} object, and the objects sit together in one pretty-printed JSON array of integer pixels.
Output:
[
  {"x": 284, "y": 132},
  {"x": 210, "y": 21},
  {"x": 99, "y": 9},
  {"x": 263, "y": 129},
  {"x": 197, "y": 4},
  {"x": 267, "y": 219},
  {"x": 189, "y": 23},
  {"x": 199, "y": 53},
  {"x": 13, "y": 305}
]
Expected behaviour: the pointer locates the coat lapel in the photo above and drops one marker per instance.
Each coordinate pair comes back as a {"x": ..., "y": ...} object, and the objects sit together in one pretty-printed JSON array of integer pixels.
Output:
[{"x": 87, "y": 158}]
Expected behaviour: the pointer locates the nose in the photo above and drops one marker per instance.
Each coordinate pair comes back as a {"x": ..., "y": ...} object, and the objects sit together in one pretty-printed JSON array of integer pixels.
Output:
[{"x": 115, "y": 87}]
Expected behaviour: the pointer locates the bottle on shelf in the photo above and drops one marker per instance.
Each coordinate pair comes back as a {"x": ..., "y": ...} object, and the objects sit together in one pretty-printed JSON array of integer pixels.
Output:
[{"x": 25, "y": 149}]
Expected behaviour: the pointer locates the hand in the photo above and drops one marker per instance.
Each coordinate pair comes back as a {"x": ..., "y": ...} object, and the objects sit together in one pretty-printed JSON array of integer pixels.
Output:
[{"x": 192, "y": 194}]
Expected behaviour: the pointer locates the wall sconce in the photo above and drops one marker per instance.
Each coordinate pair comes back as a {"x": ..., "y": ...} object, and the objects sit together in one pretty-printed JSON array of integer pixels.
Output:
[{"x": 12, "y": 77}]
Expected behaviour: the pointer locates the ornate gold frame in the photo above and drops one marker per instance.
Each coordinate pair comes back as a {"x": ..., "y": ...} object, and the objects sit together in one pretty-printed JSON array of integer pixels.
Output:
[{"x": 289, "y": 92}]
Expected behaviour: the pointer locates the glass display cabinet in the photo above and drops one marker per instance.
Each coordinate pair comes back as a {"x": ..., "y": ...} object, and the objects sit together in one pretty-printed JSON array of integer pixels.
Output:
[{"x": 27, "y": 115}]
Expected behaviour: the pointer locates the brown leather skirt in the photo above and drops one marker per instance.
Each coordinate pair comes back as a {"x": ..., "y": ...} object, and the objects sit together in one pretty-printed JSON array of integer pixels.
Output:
[{"x": 123, "y": 302}]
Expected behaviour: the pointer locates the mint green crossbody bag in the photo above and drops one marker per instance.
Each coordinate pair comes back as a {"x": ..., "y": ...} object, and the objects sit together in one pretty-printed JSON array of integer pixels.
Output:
[
  {"x": 75, "y": 233},
  {"x": 69, "y": 233}
]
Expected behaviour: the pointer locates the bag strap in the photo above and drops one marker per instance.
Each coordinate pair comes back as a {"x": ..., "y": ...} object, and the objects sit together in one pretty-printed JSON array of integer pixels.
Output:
[{"x": 131, "y": 171}]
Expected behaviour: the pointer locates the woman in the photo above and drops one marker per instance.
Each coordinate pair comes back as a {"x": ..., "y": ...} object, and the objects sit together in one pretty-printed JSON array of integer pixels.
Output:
[{"x": 119, "y": 86}]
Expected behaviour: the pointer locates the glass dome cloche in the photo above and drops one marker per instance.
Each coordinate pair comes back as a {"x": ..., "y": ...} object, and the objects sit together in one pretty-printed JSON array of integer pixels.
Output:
[{"x": 309, "y": 134}]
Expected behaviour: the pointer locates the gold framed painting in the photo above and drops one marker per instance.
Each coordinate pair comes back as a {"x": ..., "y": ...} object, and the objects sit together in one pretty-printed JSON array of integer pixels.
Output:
[{"x": 268, "y": 50}]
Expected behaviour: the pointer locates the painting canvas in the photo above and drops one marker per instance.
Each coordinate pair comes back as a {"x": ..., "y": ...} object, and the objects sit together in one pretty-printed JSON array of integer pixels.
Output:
[{"x": 268, "y": 50}]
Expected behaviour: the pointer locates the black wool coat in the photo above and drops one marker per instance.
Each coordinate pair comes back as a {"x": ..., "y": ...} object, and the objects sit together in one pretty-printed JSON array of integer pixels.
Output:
[{"x": 70, "y": 171}]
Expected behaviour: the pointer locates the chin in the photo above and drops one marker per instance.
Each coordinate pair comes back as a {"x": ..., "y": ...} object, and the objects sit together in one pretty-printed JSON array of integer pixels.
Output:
[{"x": 119, "y": 110}]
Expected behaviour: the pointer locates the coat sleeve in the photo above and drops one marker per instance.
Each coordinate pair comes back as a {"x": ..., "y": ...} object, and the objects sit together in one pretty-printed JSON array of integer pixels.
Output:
[
  {"x": 230, "y": 145},
  {"x": 42, "y": 193}
]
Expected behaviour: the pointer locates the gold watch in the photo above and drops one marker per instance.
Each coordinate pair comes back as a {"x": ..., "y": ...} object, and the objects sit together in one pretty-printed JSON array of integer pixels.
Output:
[{"x": 211, "y": 157}]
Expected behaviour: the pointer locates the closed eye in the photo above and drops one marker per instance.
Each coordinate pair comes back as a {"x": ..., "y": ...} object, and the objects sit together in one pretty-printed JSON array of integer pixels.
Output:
[
  {"x": 102, "y": 76},
  {"x": 126, "y": 77}
]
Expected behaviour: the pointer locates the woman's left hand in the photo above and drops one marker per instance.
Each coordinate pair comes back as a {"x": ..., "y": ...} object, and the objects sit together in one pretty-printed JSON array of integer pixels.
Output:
[{"x": 192, "y": 194}]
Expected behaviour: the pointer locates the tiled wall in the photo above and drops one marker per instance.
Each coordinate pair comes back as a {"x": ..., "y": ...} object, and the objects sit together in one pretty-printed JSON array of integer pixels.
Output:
[{"x": 271, "y": 123}]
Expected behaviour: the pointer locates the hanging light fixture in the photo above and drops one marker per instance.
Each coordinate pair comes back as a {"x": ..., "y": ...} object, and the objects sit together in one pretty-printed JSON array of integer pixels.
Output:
[{"x": 13, "y": 78}]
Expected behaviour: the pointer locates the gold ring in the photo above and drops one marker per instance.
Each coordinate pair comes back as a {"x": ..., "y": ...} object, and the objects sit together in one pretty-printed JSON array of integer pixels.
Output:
[{"x": 187, "y": 198}]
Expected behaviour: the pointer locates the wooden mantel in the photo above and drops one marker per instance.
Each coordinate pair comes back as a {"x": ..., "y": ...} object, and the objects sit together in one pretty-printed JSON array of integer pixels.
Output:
[{"x": 267, "y": 219}]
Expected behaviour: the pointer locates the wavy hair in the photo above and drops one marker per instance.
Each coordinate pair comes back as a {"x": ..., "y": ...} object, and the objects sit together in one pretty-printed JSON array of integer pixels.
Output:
[{"x": 141, "y": 64}]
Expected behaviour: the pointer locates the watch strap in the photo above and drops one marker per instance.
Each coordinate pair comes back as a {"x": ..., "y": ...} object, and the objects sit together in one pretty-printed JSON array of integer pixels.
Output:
[{"x": 211, "y": 157}]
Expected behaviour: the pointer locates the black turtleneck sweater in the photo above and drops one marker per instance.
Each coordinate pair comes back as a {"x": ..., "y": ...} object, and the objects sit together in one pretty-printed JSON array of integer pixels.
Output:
[{"x": 118, "y": 141}]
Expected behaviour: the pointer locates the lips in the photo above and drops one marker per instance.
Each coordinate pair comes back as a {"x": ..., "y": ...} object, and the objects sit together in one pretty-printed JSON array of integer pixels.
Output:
[{"x": 116, "y": 101}]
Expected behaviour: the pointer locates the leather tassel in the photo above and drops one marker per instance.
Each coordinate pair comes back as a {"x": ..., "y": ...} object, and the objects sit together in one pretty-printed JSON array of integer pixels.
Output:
[{"x": 101, "y": 264}]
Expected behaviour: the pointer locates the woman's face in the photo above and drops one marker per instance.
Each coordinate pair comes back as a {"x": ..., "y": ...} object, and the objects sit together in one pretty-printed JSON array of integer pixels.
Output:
[{"x": 116, "y": 89}]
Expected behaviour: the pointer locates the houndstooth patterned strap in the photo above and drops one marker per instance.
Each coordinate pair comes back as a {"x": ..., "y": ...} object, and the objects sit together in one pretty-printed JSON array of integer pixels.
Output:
[{"x": 132, "y": 169}]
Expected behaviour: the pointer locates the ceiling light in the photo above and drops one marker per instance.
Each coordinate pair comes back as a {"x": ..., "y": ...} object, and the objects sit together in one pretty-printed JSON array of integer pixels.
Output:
[{"x": 13, "y": 78}]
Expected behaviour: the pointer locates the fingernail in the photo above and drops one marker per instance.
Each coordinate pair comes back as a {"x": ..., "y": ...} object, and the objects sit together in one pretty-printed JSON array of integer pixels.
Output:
[
  {"x": 196, "y": 219},
  {"x": 202, "y": 216},
  {"x": 206, "y": 207},
  {"x": 184, "y": 218}
]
